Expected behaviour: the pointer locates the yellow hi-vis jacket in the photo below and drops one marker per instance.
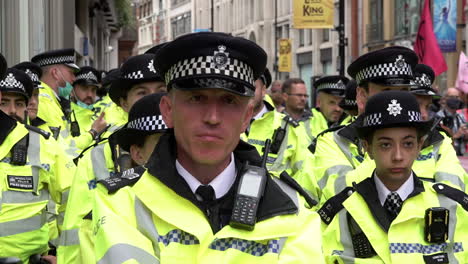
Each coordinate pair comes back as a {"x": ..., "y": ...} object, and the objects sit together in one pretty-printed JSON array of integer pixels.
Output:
[
  {"x": 398, "y": 241},
  {"x": 144, "y": 220},
  {"x": 27, "y": 189},
  {"x": 115, "y": 116}
]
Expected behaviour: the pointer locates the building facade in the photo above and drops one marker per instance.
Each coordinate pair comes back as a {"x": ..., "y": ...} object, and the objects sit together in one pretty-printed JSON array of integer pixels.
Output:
[{"x": 29, "y": 27}]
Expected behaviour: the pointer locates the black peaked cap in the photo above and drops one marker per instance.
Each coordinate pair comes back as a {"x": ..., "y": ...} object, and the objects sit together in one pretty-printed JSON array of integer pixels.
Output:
[
  {"x": 144, "y": 119},
  {"x": 110, "y": 76},
  {"x": 212, "y": 60},
  {"x": 59, "y": 56},
  {"x": 17, "y": 81},
  {"x": 87, "y": 76},
  {"x": 349, "y": 101},
  {"x": 334, "y": 84},
  {"x": 266, "y": 78},
  {"x": 154, "y": 49},
  {"x": 424, "y": 78},
  {"x": 32, "y": 69}
]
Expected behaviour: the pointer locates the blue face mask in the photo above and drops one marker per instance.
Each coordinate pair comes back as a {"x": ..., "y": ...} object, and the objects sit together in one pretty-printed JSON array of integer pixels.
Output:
[
  {"x": 65, "y": 91},
  {"x": 84, "y": 105}
]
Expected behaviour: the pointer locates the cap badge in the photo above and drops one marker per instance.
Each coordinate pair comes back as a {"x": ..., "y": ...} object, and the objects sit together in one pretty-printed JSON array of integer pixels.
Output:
[
  {"x": 394, "y": 108},
  {"x": 400, "y": 61},
  {"x": 10, "y": 80},
  {"x": 425, "y": 80},
  {"x": 340, "y": 85},
  {"x": 220, "y": 58},
  {"x": 151, "y": 66}
]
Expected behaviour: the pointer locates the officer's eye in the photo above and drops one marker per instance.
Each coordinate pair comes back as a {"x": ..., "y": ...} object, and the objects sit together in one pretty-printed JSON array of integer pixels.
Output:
[
  {"x": 230, "y": 100},
  {"x": 385, "y": 145},
  {"x": 195, "y": 98},
  {"x": 408, "y": 144}
]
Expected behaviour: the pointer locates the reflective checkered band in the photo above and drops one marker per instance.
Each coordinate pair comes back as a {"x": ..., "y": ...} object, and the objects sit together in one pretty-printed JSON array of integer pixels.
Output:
[
  {"x": 148, "y": 123},
  {"x": 44, "y": 166},
  {"x": 204, "y": 65},
  {"x": 178, "y": 236},
  {"x": 373, "y": 119},
  {"x": 337, "y": 252},
  {"x": 34, "y": 77},
  {"x": 86, "y": 76},
  {"x": 134, "y": 75},
  {"x": 256, "y": 142},
  {"x": 250, "y": 247},
  {"x": 350, "y": 102},
  {"x": 422, "y": 157},
  {"x": 414, "y": 116},
  {"x": 55, "y": 60},
  {"x": 423, "y": 249},
  {"x": 423, "y": 80},
  {"x": 336, "y": 86},
  {"x": 11, "y": 83},
  {"x": 382, "y": 70}
]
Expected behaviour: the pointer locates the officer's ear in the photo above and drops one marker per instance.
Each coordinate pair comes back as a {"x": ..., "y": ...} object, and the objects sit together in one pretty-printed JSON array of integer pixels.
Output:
[
  {"x": 361, "y": 98},
  {"x": 368, "y": 147},
  {"x": 137, "y": 154},
  {"x": 165, "y": 106}
]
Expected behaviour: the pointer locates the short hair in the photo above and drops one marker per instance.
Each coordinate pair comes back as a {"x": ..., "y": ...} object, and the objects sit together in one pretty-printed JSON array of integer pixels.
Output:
[{"x": 287, "y": 85}]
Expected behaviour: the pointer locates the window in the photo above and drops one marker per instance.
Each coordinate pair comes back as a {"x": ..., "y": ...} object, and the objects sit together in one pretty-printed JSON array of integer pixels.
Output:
[
  {"x": 181, "y": 24},
  {"x": 325, "y": 35},
  {"x": 286, "y": 31},
  {"x": 301, "y": 37},
  {"x": 309, "y": 37},
  {"x": 375, "y": 26},
  {"x": 327, "y": 67},
  {"x": 279, "y": 33},
  {"x": 407, "y": 14},
  {"x": 178, "y": 2}
]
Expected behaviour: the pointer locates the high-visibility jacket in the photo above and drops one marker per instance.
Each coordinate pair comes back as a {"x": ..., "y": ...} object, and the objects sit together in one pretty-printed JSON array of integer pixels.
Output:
[
  {"x": 150, "y": 222},
  {"x": 75, "y": 243},
  {"x": 115, "y": 116},
  {"x": 339, "y": 161},
  {"x": 50, "y": 110},
  {"x": 360, "y": 220},
  {"x": 27, "y": 189}
]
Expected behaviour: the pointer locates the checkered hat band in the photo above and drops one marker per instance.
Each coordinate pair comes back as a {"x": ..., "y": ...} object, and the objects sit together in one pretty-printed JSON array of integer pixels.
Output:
[
  {"x": 134, "y": 75},
  {"x": 86, "y": 76},
  {"x": 204, "y": 65},
  {"x": 350, "y": 102},
  {"x": 148, "y": 123},
  {"x": 56, "y": 60},
  {"x": 383, "y": 70},
  {"x": 414, "y": 116},
  {"x": 11, "y": 83},
  {"x": 373, "y": 120},
  {"x": 34, "y": 77},
  {"x": 423, "y": 80},
  {"x": 336, "y": 86}
]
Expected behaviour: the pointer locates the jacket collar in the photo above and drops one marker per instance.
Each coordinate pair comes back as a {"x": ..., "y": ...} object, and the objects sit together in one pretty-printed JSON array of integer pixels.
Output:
[
  {"x": 37, "y": 122},
  {"x": 434, "y": 137},
  {"x": 162, "y": 166},
  {"x": 7, "y": 124},
  {"x": 349, "y": 132}
]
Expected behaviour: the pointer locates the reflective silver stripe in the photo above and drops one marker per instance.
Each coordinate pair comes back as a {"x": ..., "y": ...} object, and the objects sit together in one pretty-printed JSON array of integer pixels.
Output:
[
  {"x": 441, "y": 176},
  {"x": 343, "y": 144},
  {"x": 308, "y": 128},
  {"x": 99, "y": 162},
  {"x": 278, "y": 164},
  {"x": 435, "y": 150},
  {"x": 341, "y": 170},
  {"x": 347, "y": 255},
  {"x": 34, "y": 155},
  {"x": 451, "y": 205},
  {"x": 65, "y": 195},
  {"x": 288, "y": 191},
  {"x": 69, "y": 237},
  {"x": 146, "y": 225},
  {"x": 23, "y": 225},
  {"x": 119, "y": 253},
  {"x": 281, "y": 243},
  {"x": 13, "y": 197}
]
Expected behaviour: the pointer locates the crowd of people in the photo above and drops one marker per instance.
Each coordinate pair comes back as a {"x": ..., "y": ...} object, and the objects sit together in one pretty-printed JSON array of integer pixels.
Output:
[{"x": 191, "y": 153}]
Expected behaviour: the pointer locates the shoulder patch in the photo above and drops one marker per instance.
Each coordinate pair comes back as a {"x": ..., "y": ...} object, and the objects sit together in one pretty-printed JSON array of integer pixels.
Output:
[
  {"x": 284, "y": 176},
  {"x": 333, "y": 205},
  {"x": 313, "y": 145},
  {"x": 452, "y": 193},
  {"x": 43, "y": 133},
  {"x": 122, "y": 179}
]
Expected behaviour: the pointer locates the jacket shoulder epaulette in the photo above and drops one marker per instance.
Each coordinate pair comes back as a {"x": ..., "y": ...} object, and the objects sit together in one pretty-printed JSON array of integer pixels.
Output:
[
  {"x": 313, "y": 145},
  {"x": 43, "y": 133},
  {"x": 291, "y": 121},
  {"x": 122, "y": 179},
  {"x": 284, "y": 177},
  {"x": 452, "y": 193},
  {"x": 333, "y": 205}
]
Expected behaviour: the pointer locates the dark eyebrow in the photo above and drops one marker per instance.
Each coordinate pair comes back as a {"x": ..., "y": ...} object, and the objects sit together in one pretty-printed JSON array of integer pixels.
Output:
[{"x": 387, "y": 138}]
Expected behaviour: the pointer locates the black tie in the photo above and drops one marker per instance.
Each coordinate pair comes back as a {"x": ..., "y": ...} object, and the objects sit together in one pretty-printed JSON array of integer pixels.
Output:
[
  {"x": 206, "y": 192},
  {"x": 393, "y": 204}
]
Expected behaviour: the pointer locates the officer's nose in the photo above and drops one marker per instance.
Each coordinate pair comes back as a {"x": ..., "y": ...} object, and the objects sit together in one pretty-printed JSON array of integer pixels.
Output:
[
  {"x": 397, "y": 154},
  {"x": 211, "y": 115}
]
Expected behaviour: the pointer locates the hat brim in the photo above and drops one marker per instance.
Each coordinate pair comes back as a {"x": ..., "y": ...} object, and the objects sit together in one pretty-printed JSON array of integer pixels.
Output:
[
  {"x": 346, "y": 106},
  {"x": 16, "y": 92},
  {"x": 128, "y": 136},
  {"x": 335, "y": 92},
  {"x": 394, "y": 82},
  {"x": 86, "y": 82},
  {"x": 424, "y": 127},
  {"x": 73, "y": 66},
  {"x": 425, "y": 91},
  {"x": 224, "y": 83}
]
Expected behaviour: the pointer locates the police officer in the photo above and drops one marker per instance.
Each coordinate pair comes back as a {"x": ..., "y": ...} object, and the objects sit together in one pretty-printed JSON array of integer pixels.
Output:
[
  {"x": 106, "y": 158},
  {"x": 393, "y": 216},
  {"x": 349, "y": 104},
  {"x": 139, "y": 137},
  {"x": 32, "y": 167},
  {"x": 197, "y": 170}
]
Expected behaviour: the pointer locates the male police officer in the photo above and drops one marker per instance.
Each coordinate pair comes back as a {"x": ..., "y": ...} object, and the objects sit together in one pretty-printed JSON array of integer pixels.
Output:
[
  {"x": 349, "y": 104},
  {"x": 183, "y": 209},
  {"x": 393, "y": 216}
]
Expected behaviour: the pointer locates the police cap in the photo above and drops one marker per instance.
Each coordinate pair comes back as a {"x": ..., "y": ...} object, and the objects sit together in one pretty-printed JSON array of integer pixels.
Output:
[
  {"x": 17, "y": 81},
  {"x": 59, "y": 56},
  {"x": 334, "y": 85}
]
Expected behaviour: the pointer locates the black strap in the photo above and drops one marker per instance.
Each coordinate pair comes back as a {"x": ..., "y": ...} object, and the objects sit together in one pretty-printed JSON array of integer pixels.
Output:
[
  {"x": 284, "y": 176},
  {"x": 333, "y": 205},
  {"x": 43, "y": 133},
  {"x": 313, "y": 145},
  {"x": 452, "y": 193},
  {"x": 122, "y": 179}
]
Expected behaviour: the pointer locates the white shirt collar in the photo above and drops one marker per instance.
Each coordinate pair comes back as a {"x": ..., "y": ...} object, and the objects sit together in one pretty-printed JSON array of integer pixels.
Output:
[
  {"x": 261, "y": 113},
  {"x": 404, "y": 191},
  {"x": 221, "y": 183}
]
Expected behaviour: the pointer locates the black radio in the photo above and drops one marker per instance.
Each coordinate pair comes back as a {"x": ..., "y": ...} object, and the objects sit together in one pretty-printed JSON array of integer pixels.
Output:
[
  {"x": 436, "y": 224},
  {"x": 74, "y": 126},
  {"x": 249, "y": 194}
]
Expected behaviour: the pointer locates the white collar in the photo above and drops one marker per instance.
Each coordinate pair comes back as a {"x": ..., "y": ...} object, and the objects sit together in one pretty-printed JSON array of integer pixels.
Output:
[
  {"x": 221, "y": 183},
  {"x": 404, "y": 191},
  {"x": 261, "y": 113}
]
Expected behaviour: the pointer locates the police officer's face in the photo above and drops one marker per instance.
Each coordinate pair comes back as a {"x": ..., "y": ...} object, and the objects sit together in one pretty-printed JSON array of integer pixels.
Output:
[
  {"x": 85, "y": 93},
  {"x": 276, "y": 93},
  {"x": 140, "y": 90},
  {"x": 329, "y": 107},
  {"x": 33, "y": 104},
  {"x": 394, "y": 151},
  {"x": 296, "y": 100},
  {"x": 14, "y": 105},
  {"x": 424, "y": 102},
  {"x": 362, "y": 95},
  {"x": 207, "y": 124}
]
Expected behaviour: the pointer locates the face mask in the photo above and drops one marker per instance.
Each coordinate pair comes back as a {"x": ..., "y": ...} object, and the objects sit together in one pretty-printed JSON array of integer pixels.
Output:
[
  {"x": 454, "y": 103},
  {"x": 65, "y": 91},
  {"x": 84, "y": 105}
]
